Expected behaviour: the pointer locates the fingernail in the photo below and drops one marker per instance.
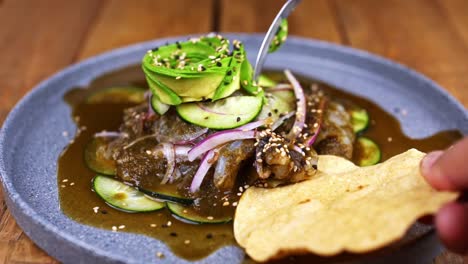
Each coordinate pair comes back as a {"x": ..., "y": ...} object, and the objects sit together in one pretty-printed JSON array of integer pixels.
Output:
[
  {"x": 429, "y": 160},
  {"x": 432, "y": 173}
]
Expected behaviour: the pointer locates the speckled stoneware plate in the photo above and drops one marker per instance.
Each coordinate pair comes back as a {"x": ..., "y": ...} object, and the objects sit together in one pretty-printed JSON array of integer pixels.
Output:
[{"x": 31, "y": 141}]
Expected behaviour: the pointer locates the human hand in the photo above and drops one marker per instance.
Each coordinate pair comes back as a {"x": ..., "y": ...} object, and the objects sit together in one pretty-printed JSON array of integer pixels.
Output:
[{"x": 448, "y": 170}]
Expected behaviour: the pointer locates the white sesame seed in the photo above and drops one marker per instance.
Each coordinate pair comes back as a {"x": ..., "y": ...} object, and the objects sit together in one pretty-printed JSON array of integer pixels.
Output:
[
  {"x": 178, "y": 77},
  {"x": 390, "y": 139},
  {"x": 65, "y": 180},
  {"x": 121, "y": 226},
  {"x": 234, "y": 204},
  {"x": 153, "y": 225},
  {"x": 72, "y": 183},
  {"x": 148, "y": 152},
  {"x": 210, "y": 218},
  {"x": 169, "y": 223},
  {"x": 226, "y": 204},
  {"x": 186, "y": 242},
  {"x": 96, "y": 209},
  {"x": 160, "y": 255},
  {"x": 114, "y": 228},
  {"x": 63, "y": 186}
]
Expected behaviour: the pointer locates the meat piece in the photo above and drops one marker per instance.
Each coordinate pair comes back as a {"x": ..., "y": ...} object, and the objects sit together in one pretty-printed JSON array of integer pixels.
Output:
[
  {"x": 135, "y": 164},
  {"x": 171, "y": 128},
  {"x": 137, "y": 122},
  {"x": 280, "y": 161},
  {"x": 230, "y": 160},
  {"x": 336, "y": 135}
]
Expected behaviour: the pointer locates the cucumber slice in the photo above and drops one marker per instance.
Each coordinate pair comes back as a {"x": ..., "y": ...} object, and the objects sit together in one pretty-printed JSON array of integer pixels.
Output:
[
  {"x": 124, "y": 197},
  {"x": 117, "y": 95},
  {"x": 359, "y": 120},
  {"x": 167, "y": 195},
  {"x": 187, "y": 214},
  {"x": 158, "y": 106},
  {"x": 95, "y": 157},
  {"x": 368, "y": 152},
  {"x": 264, "y": 81},
  {"x": 278, "y": 102},
  {"x": 225, "y": 113}
]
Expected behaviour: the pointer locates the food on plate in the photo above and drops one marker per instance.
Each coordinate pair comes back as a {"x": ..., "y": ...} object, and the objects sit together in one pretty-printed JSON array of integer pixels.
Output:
[
  {"x": 342, "y": 208},
  {"x": 170, "y": 147}
]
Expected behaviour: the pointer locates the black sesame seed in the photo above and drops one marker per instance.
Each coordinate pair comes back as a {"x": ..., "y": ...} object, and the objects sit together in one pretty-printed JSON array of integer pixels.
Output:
[
  {"x": 202, "y": 68},
  {"x": 173, "y": 234},
  {"x": 314, "y": 166},
  {"x": 238, "y": 119},
  {"x": 103, "y": 212},
  {"x": 297, "y": 100},
  {"x": 164, "y": 226},
  {"x": 178, "y": 45},
  {"x": 209, "y": 236},
  {"x": 226, "y": 83},
  {"x": 269, "y": 114},
  {"x": 219, "y": 64},
  {"x": 275, "y": 110},
  {"x": 228, "y": 73},
  {"x": 206, "y": 117},
  {"x": 155, "y": 49}
]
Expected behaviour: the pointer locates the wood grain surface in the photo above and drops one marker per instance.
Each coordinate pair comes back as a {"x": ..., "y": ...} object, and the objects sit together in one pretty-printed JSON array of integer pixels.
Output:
[{"x": 38, "y": 38}]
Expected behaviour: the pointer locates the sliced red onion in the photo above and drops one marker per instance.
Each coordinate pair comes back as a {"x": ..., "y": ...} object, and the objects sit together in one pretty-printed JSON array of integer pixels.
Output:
[
  {"x": 205, "y": 165},
  {"x": 138, "y": 140},
  {"x": 298, "y": 149},
  {"x": 281, "y": 87},
  {"x": 252, "y": 125},
  {"x": 281, "y": 120},
  {"x": 147, "y": 94},
  {"x": 110, "y": 134},
  {"x": 312, "y": 139},
  {"x": 300, "y": 105},
  {"x": 182, "y": 150},
  {"x": 216, "y": 139},
  {"x": 192, "y": 137},
  {"x": 169, "y": 154}
]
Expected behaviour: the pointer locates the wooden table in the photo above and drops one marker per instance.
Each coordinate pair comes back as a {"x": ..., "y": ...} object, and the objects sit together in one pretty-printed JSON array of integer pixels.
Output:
[{"x": 38, "y": 38}]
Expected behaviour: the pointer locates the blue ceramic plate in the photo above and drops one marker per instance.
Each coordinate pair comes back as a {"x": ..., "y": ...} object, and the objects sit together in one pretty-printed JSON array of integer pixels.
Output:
[{"x": 31, "y": 140}]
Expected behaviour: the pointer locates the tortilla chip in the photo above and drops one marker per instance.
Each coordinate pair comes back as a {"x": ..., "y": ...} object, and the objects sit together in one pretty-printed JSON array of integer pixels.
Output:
[{"x": 348, "y": 208}]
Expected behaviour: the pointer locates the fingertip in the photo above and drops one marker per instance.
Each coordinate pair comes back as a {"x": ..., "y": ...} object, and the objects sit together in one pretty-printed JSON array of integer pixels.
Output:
[
  {"x": 432, "y": 172},
  {"x": 452, "y": 228}
]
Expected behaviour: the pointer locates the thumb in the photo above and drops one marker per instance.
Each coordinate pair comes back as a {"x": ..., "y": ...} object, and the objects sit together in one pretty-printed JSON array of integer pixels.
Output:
[{"x": 448, "y": 170}]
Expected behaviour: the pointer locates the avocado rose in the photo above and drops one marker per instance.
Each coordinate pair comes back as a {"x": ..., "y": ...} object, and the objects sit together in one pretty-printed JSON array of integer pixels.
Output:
[{"x": 198, "y": 69}]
